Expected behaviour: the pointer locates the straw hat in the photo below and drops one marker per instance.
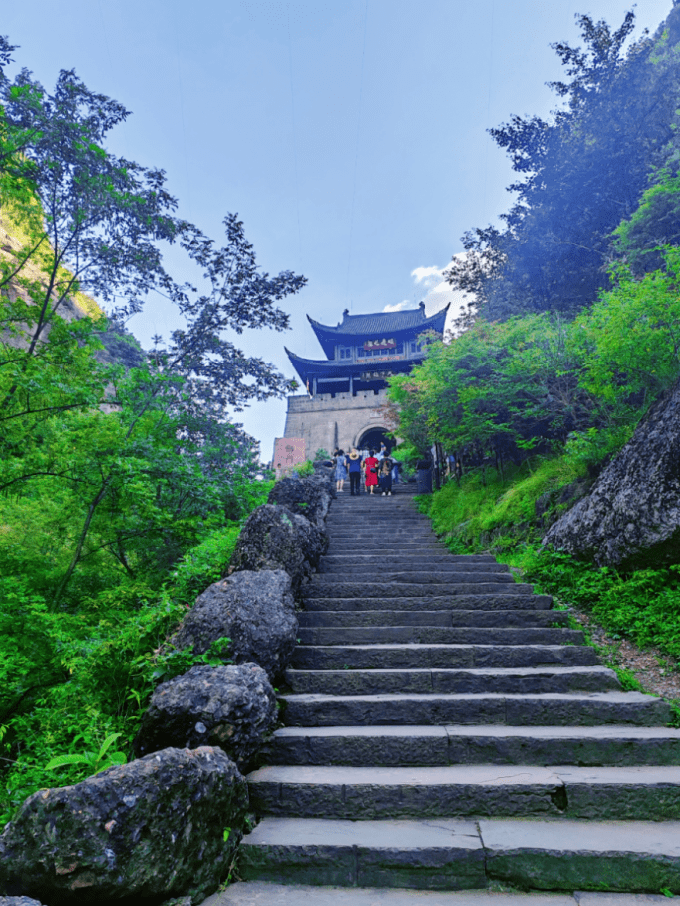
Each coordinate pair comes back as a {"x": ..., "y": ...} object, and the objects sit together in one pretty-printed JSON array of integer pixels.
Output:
[{"x": 354, "y": 454}]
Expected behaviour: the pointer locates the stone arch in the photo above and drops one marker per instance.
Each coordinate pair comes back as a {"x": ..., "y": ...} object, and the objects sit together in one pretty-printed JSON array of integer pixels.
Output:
[{"x": 371, "y": 437}]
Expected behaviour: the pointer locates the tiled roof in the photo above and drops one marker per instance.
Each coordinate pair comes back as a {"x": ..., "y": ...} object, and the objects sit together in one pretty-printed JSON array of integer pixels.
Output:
[
  {"x": 373, "y": 325},
  {"x": 383, "y": 321}
]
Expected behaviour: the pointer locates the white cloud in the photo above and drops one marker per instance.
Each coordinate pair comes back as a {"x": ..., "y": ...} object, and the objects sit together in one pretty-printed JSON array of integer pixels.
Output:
[
  {"x": 427, "y": 275},
  {"x": 400, "y": 306},
  {"x": 439, "y": 293}
]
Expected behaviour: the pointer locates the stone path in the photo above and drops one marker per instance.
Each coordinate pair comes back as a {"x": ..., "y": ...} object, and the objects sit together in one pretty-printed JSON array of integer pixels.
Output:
[{"x": 446, "y": 731}]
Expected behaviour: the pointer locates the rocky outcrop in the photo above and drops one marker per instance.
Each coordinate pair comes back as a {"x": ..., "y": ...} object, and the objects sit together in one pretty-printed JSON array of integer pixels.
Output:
[
  {"x": 324, "y": 473},
  {"x": 231, "y": 707},
  {"x": 255, "y": 610},
  {"x": 307, "y": 497},
  {"x": 165, "y": 825},
  {"x": 274, "y": 537},
  {"x": 632, "y": 515}
]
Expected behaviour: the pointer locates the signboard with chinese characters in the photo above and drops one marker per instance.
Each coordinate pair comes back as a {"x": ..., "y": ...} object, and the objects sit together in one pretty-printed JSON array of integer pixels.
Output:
[
  {"x": 288, "y": 453},
  {"x": 380, "y": 344},
  {"x": 374, "y": 375}
]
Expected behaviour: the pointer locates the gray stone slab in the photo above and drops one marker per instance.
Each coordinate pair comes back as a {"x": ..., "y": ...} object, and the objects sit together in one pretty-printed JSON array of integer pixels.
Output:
[
  {"x": 420, "y": 854},
  {"x": 473, "y": 618},
  {"x": 349, "y": 561},
  {"x": 628, "y": 792},
  {"x": 496, "y": 601},
  {"x": 317, "y": 657},
  {"x": 325, "y": 589},
  {"x": 474, "y": 680},
  {"x": 429, "y": 571},
  {"x": 360, "y": 745},
  {"x": 431, "y": 576},
  {"x": 571, "y": 855},
  {"x": 618, "y": 793},
  {"x": 432, "y": 635},
  {"x": 591, "y": 709},
  {"x": 587, "y": 708},
  {"x": 327, "y": 710},
  {"x": 260, "y": 893},
  {"x": 601, "y": 745},
  {"x": 486, "y": 744},
  {"x": 402, "y": 792}
]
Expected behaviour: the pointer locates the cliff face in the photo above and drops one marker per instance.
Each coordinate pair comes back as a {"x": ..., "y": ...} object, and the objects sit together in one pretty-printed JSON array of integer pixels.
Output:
[
  {"x": 631, "y": 518},
  {"x": 119, "y": 345}
]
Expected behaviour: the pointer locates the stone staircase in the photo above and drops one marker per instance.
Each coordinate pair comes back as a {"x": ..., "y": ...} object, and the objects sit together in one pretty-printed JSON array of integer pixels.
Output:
[{"x": 445, "y": 730}]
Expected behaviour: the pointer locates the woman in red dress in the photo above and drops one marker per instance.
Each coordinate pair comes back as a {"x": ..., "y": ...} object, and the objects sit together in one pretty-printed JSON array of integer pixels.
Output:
[{"x": 371, "y": 464}]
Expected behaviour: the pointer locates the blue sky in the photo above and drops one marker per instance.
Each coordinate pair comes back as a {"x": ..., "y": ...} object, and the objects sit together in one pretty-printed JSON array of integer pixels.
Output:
[{"x": 349, "y": 135}]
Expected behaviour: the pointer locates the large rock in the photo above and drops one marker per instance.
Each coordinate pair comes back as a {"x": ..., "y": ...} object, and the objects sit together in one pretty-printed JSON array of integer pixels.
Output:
[
  {"x": 255, "y": 610},
  {"x": 324, "y": 472},
  {"x": 163, "y": 826},
  {"x": 307, "y": 497},
  {"x": 632, "y": 515},
  {"x": 274, "y": 537},
  {"x": 231, "y": 707}
]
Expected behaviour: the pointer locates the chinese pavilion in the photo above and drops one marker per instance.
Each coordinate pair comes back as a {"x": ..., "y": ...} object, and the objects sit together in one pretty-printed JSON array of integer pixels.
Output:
[{"x": 344, "y": 393}]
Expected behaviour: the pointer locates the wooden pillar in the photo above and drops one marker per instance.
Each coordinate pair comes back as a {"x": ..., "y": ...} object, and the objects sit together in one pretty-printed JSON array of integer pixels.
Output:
[{"x": 314, "y": 387}]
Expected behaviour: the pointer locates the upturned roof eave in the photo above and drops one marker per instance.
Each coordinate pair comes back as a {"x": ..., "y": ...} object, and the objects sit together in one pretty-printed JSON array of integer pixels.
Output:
[{"x": 308, "y": 368}]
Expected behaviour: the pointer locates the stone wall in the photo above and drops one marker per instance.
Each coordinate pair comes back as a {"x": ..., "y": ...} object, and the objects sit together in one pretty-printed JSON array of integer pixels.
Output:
[{"x": 324, "y": 420}]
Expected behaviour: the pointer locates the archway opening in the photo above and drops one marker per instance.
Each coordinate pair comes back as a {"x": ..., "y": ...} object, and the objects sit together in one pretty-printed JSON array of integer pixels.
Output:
[{"x": 371, "y": 440}]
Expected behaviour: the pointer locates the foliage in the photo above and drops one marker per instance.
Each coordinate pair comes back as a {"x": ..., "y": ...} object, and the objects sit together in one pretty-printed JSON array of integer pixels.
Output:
[
  {"x": 304, "y": 469},
  {"x": 643, "y": 606},
  {"x": 629, "y": 340},
  {"x": 579, "y": 172},
  {"x": 122, "y": 489},
  {"x": 71, "y": 680},
  {"x": 96, "y": 761}
]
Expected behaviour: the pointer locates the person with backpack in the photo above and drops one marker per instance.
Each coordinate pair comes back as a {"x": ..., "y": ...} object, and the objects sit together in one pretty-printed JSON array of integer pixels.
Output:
[{"x": 385, "y": 476}]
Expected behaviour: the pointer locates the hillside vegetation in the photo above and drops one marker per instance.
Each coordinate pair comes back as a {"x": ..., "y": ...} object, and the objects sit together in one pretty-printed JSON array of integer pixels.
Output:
[
  {"x": 576, "y": 327},
  {"x": 122, "y": 489}
]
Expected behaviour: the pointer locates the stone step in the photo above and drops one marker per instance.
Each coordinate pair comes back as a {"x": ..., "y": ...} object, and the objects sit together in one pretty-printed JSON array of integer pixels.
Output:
[
  {"x": 325, "y": 589},
  {"x": 444, "y": 854},
  {"x": 453, "y": 854},
  {"x": 381, "y": 516},
  {"x": 368, "y": 563},
  {"x": 490, "y": 744},
  {"x": 474, "y": 562},
  {"x": 505, "y": 598},
  {"x": 514, "y": 680},
  {"x": 385, "y": 528},
  {"x": 358, "y": 657},
  {"x": 376, "y": 546},
  {"x": 549, "y": 709},
  {"x": 434, "y": 576},
  {"x": 422, "y": 550},
  {"x": 433, "y": 635},
  {"x": 462, "y": 791},
  {"x": 478, "y": 618},
  {"x": 265, "y": 893}
]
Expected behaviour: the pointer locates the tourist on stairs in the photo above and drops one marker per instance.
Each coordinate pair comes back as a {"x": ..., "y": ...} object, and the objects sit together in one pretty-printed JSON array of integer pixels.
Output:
[
  {"x": 371, "y": 465},
  {"x": 385, "y": 476},
  {"x": 340, "y": 469},
  {"x": 353, "y": 463}
]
